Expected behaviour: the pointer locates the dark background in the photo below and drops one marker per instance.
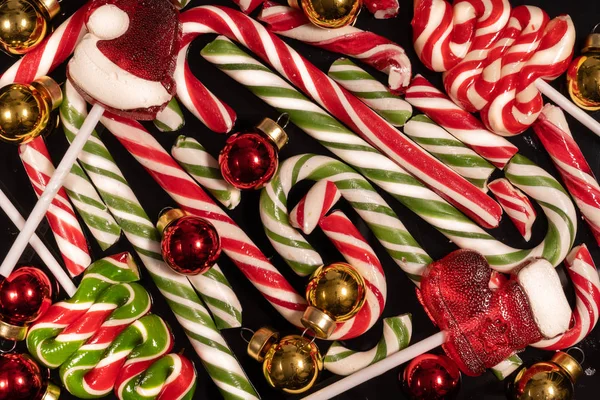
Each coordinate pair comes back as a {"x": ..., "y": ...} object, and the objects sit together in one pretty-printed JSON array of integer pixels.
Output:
[{"x": 257, "y": 312}]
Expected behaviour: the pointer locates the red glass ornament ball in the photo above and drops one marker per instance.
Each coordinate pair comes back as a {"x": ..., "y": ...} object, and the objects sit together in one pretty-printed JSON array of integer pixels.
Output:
[
  {"x": 24, "y": 296},
  {"x": 21, "y": 378},
  {"x": 249, "y": 160},
  {"x": 431, "y": 377},
  {"x": 190, "y": 245}
]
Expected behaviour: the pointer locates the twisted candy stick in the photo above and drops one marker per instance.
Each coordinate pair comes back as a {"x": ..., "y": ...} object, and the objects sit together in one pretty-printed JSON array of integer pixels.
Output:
[
  {"x": 583, "y": 273},
  {"x": 211, "y": 347},
  {"x": 313, "y": 207},
  {"x": 61, "y": 216},
  {"x": 516, "y": 204},
  {"x": 533, "y": 180},
  {"x": 397, "y": 332},
  {"x": 204, "y": 168},
  {"x": 170, "y": 119},
  {"x": 555, "y": 135},
  {"x": 248, "y": 6},
  {"x": 370, "y": 48},
  {"x": 460, "y": 123},
  {"x": 383, "y": 9},
  {"x": 345, "y": 106}
]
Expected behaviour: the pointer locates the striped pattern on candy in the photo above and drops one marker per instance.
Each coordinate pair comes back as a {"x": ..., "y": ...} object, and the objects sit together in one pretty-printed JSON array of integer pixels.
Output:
[
  {"x": 554, "y": 133},
  {"x": 583, "y": 274},
  {"x": 507, "y": 367},
  {"x": 170, "y": 119},
  {"x": 397, "y": 332},
  {"x": 383, "y": 9},
  {"x": 313, "y": 207},
  {"x": 460, "y": 123},
  {"x": 205, "y": 170},
  {"x": 345, "y": 106},
  {"x": 210, "y": 346},
  {"x": 516, "y": 204},
  {"x": 248, "y": 6},
  {"x": 368, "y": 47},
  {"x": 368, "y": 89},
  {"x": 61, "y": 216},
  {"x": 534, "y": 181}
]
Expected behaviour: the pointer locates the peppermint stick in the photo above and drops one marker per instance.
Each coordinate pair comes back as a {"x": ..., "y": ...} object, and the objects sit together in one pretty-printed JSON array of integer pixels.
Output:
[
  {"x": 397, "y": 332},
  {"x": 170, "y": 119},
  {"x": 533, "y": 180},
  {"x": 204, "y": 168},
  {"x": 211, "y": 347},
  {"x": 517, "y": 206},
  {"x": 351, "y": 111}
]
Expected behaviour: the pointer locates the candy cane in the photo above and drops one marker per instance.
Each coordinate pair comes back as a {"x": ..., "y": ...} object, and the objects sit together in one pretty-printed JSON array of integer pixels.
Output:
[
  {"x": 370, "y": 48},
  {"x": 554, "y": 133},
  {"x": 314, "y": 206},
  {"x": 204, "y": 168},
  {"x": 533, "y": 180},
  {"x": 383, "y": 9},
  {"x": 397, "y": 332},
  {"x": 170, "y": 119},
  {"x": 61, "y": 216},
  {"x": 342, "y": 104},
  {"x": 248, "y": 6},
  {"x": 199, "y": 327},
  {"x": 516, "y": 204}
]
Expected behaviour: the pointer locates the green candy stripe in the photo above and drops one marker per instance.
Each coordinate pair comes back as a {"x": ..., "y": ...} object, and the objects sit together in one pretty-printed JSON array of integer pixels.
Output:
[
  {"x": 507, "y": 367},
  {"x": 204, "y": 168},
  {"x": 171, "y": 118},
  {"x": 177, "y": 290}
]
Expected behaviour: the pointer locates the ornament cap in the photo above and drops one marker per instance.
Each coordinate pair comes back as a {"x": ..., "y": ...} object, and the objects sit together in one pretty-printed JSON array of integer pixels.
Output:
[
  {"x": 52, "y": 7},
  {"x": 50, "y": 90},
  {"x": 52, "y": 392},
  {"x": 592, "y": 43},
  {"x": 569, "y": 364},
  {"x": 168, "y": 217},
  {"x": 273, "y": 131},
  {"x": 12, "y": 332},
  {"x": 319, "y": 322},
  {"x": 262, "y": 340},
  {"x": 331, "y": 15}
]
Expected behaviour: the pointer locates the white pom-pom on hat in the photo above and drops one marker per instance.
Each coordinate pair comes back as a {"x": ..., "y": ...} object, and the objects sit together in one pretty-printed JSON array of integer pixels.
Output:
[{"x": 108, "y": 22}]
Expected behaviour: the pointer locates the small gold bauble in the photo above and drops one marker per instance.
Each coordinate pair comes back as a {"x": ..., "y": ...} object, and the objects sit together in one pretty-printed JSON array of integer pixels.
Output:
[
  {"x": 25, "y": 110},
  {"x": 293, "y": 364},
  {"x": 25, "y": 23},
  {"x": 331, "y": 13},
  {"x": 583, "y": 81}
]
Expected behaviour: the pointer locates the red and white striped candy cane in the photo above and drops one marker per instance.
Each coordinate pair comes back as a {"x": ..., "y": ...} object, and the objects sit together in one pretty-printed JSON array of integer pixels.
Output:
[
  {"x": 517, "y": 206},
  {"x": 584, "y": 276},
  {"x": 554, "y": 133},
  {"x": 344, "y": 106},
  {"x": 248, "y": 6},
  {"x": 370, "y": 48},
  {"x": 383, "y": 9},
  {"x": 313, "y": 207},
  {"x": 460, "y": 123},
  {"x": 61, "y": 216}
]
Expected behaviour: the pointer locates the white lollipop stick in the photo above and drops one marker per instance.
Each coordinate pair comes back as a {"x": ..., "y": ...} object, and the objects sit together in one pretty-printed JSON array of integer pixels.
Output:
[
  {"x": 380, "y": 367},
  {"x": 568, "y": 106},
  {"x": 56, "y": 182},
  {"x": 39, "y": 247}
]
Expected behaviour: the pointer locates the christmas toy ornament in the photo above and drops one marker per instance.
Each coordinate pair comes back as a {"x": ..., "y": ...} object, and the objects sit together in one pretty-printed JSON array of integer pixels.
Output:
[
  {"x": 249, "y": 159},
  {"x": 25, "y": 110},
  {"x": 335, "y": 293},
  {"x": 291, "y": 364},
  {"x": 25, "y": 23},
  {"x": 548, "y": 380},
  {"x": 24, "y": 296},
  {"x": 190, "y": 244},
  {"x": 431, "y": 377},
  {"x": 21, "y": 378},
  {"x": 583, "y": 76},
  {"x": 329, "y": 13}
]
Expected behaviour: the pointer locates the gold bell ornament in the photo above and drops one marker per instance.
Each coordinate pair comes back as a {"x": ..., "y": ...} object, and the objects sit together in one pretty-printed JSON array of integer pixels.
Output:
[
  {"x": 25, "y": 23},
  {"x": 548, "y": 380},
  {"x": 329, "y": 14},
  {"x": 335, "y": 294},
  {"x": 292, "y": 363},
  {"x": 26, "y": 110},
  {"x": 583, "y": 76}
]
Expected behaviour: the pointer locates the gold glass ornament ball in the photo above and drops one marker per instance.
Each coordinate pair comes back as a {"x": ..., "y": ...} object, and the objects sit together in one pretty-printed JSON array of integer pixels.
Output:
[
  {"x": 25, "y": 23},
  {"x": 331, "y": 13},
  {"x": 583, "y": 81},
  {"x": 293, "y": 364}
]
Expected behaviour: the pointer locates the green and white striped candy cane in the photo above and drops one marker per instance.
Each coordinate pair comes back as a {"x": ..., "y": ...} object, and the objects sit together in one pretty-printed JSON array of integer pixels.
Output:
[
  {"x": 397, "y": 332},
  {"x": 170, "y": 119},
  {"x": 530, "y": 178},
  {"x": 205, "y": 170},
  {"x": 433, "y": 138},
  {"x": 189, "y": 310}
]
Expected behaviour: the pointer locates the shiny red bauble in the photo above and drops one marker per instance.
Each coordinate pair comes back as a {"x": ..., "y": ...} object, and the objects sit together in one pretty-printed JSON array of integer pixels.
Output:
[
  {"x": 431, "y": 377},
  {"x": 249, "y": 160},
  {"x": 21, "y": 378},
  {"x": 190, "y": 245},
  {"x": 24, "y": 296}
]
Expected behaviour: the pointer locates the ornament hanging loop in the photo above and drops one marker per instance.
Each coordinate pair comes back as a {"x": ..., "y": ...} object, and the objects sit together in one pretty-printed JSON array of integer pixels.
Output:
[
  {"x": 283, "y": 120},
  {"x": 243, "y": 333},
  {"x": 577, "y": 349},
  {"x": 314, "y": 337},
  {"x": 4, "y": 343}
]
